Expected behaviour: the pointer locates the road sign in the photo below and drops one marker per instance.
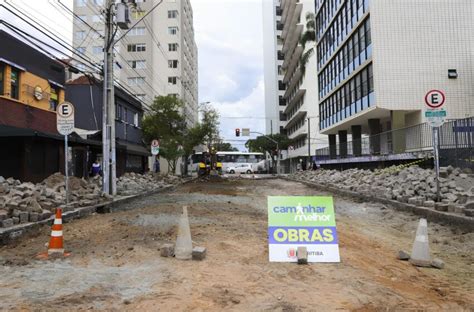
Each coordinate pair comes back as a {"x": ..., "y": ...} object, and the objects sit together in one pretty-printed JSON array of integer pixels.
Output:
[
  {"x": 155, "y": 147},
  {"x": 435, "y": 98},
  {"x": 65, "y": 118},
  {"x": 302, "y": 221},
  {"x": 435, "y": 115},
  {"x": 245, "y": 131}
]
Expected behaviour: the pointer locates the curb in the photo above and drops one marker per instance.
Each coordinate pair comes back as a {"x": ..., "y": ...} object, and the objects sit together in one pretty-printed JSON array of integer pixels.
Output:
[
  {"x": 446, "y": 218},
  {"x": 10, "y": 234}
]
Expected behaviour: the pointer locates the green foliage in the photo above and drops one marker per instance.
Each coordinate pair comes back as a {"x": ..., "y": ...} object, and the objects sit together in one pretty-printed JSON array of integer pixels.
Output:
[
  {"x": 262, "y": 144},
  {"x": 308, "y": 36},
  {"x": 210, "y": 124},
  {"x": 164, "y": 122},
  {"x": 225, "y": 147}
]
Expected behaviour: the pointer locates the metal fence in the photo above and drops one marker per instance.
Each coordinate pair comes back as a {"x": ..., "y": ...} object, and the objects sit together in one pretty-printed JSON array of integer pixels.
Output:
[{"x": 456, "y": 139}]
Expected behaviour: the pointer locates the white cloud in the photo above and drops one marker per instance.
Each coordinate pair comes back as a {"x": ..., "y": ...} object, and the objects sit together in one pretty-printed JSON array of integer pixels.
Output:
[
  {"x": 229, "y": 38},
  {"x": 247, "y": 112}
]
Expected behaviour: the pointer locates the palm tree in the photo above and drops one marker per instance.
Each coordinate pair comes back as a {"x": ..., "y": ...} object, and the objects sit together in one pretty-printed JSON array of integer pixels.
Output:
[{"x": 308, "y": 36}]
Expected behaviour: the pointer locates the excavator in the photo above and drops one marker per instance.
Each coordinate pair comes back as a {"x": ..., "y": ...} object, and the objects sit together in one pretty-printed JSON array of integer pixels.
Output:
[{"x": 209, "y": 164}]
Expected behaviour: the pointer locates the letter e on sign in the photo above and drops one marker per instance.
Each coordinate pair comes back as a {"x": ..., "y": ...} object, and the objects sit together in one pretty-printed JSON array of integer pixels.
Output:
[{"x": 435, "y": 98}]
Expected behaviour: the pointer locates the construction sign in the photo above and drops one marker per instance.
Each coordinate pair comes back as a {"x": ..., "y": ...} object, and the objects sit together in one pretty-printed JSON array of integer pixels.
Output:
[{"x": 302, "y": 221}]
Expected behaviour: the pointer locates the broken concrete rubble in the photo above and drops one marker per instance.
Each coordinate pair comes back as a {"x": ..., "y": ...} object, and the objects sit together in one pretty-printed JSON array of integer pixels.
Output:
[
  {"x": 412, "y": 185},
  {"x": 28, "y": 202}
]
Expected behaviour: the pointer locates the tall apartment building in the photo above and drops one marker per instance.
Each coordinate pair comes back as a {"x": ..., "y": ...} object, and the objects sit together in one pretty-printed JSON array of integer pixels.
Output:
[
  {"x": 377, "y": 59},
  {"x": 157, "y": 57},
  {"x": 291, "y": 96}
]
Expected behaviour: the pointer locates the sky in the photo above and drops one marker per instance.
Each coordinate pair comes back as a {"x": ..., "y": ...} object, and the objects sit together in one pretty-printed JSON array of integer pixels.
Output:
[
  {"x": 230, "y": 44},
  {"x": 228, "y": 34}
]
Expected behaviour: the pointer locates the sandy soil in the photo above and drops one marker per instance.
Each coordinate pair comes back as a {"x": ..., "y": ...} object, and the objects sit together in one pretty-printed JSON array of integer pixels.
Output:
[{"x": 115, "y": 263}]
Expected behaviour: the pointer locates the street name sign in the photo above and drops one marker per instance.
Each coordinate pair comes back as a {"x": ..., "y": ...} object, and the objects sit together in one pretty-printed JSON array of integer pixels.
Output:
[
  {"x": 435, "y": 114},
  {"x": 302, "y": 221},
  {"x": 65, "y": 118}
]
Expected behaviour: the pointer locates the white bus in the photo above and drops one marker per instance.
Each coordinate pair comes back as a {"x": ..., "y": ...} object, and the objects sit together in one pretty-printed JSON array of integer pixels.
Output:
[
  {"x": 230, "y": 159},
  {"x": 233, "y": 159}
]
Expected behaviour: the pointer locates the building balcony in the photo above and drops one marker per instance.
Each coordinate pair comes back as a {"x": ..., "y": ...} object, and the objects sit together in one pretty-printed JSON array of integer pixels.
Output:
[{"x": 292, "y": 101}]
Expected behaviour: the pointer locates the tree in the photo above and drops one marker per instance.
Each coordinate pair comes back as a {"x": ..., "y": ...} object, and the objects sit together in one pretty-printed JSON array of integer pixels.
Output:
[
  {"x": 308, "y": 36},
  {"x": 164, "y": 122},
  {"x": 225, "y": 147},
  {"x": 209, "y": 124},
  {"x": 262, "y": 144}
]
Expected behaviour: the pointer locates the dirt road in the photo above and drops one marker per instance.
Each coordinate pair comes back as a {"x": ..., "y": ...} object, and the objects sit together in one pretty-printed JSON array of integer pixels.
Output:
[{"x": 115, "y": 262}]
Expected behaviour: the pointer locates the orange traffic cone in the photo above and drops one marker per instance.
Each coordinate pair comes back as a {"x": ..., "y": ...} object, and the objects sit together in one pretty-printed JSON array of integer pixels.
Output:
[{"x": 56, "y": 244}]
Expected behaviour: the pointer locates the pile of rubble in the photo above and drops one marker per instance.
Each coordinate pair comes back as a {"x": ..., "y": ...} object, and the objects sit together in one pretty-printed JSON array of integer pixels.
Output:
[
  {"x": 133, "y": 183},
  {"x": 412, "y": 185},
  {"x": 28, "y": 202}
]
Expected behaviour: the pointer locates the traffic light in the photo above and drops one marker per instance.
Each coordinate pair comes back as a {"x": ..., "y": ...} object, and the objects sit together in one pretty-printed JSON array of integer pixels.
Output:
[{"x": 237, "y": 132}]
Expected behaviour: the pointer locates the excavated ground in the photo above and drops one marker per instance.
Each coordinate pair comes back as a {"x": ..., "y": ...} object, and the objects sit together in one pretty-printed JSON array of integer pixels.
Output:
[{"x": 116, "y": 264}]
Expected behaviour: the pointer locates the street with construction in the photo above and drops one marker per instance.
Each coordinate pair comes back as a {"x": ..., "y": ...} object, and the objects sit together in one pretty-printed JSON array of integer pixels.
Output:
[{"x": 123, "y": 260}]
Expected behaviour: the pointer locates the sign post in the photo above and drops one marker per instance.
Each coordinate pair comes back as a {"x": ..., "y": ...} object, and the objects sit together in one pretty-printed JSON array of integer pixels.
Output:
[
  {"x": 65, "y": 126},
  {"x": 435, "y": 115},
  {"x": 302, "y": 221}
]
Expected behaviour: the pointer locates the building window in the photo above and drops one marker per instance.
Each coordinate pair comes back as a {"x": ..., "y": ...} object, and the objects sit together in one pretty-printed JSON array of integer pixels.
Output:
[
  {"x": 53, "y": 97},
  {"x": 136, "y": 81},
  {"x": 139, "y": 47},
  {"x": 15, "y": 83},
  {"x": 137, "y": 31},
  {"x": 138, "y": 64},
  {"x": 81, "y": 50},
  {"x": 80, "y": 35},
  {"x": 175, "y": 95},
  {"x": 98, "y": 2},
  {"x": 172, "y": 14},
  {"x": 173, "y": 30},
  {"x": 2, "y": 70},
  {"x": 81, "y": 3},
  {"x": 96, "y": 49},
  {"x": 118, "y": 112},
  {"x": 172, "y": 80},
  {"x": 173, "y": 64},
  {"x": 125, "y": 114},
  {"x": 172, "y": 47},
  {"x": 135, "y": 119},
  {"x": 138, "y": 14}
]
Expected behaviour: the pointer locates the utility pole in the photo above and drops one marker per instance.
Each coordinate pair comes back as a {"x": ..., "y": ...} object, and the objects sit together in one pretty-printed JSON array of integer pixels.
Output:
[
  {"x": 105, "y": 105},
  {"x": 120, "y": 11},
  {"x": 309, "y": 143}
]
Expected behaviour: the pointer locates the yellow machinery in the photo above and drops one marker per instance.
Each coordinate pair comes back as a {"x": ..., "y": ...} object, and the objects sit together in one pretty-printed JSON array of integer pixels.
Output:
[{"x": 209, "y": 165}]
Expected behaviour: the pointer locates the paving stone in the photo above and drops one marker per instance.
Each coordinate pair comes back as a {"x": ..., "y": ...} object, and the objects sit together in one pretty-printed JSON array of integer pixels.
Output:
[
  {"x": 167, "y": 250},
  {"x": 34, "y": 217},
  {"x": 437, "y": 263},
  {"x": 7, "y": 223},
  {"x": 3, "y": 215},
  {"x": 199, "y": 253},
  {"x": 403, "y": 255},
  {"x": 23, "y": 217}
]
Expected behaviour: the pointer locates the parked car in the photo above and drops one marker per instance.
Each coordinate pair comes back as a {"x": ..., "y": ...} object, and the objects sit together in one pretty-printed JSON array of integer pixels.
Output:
[{"x": 244, "y": 168}]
